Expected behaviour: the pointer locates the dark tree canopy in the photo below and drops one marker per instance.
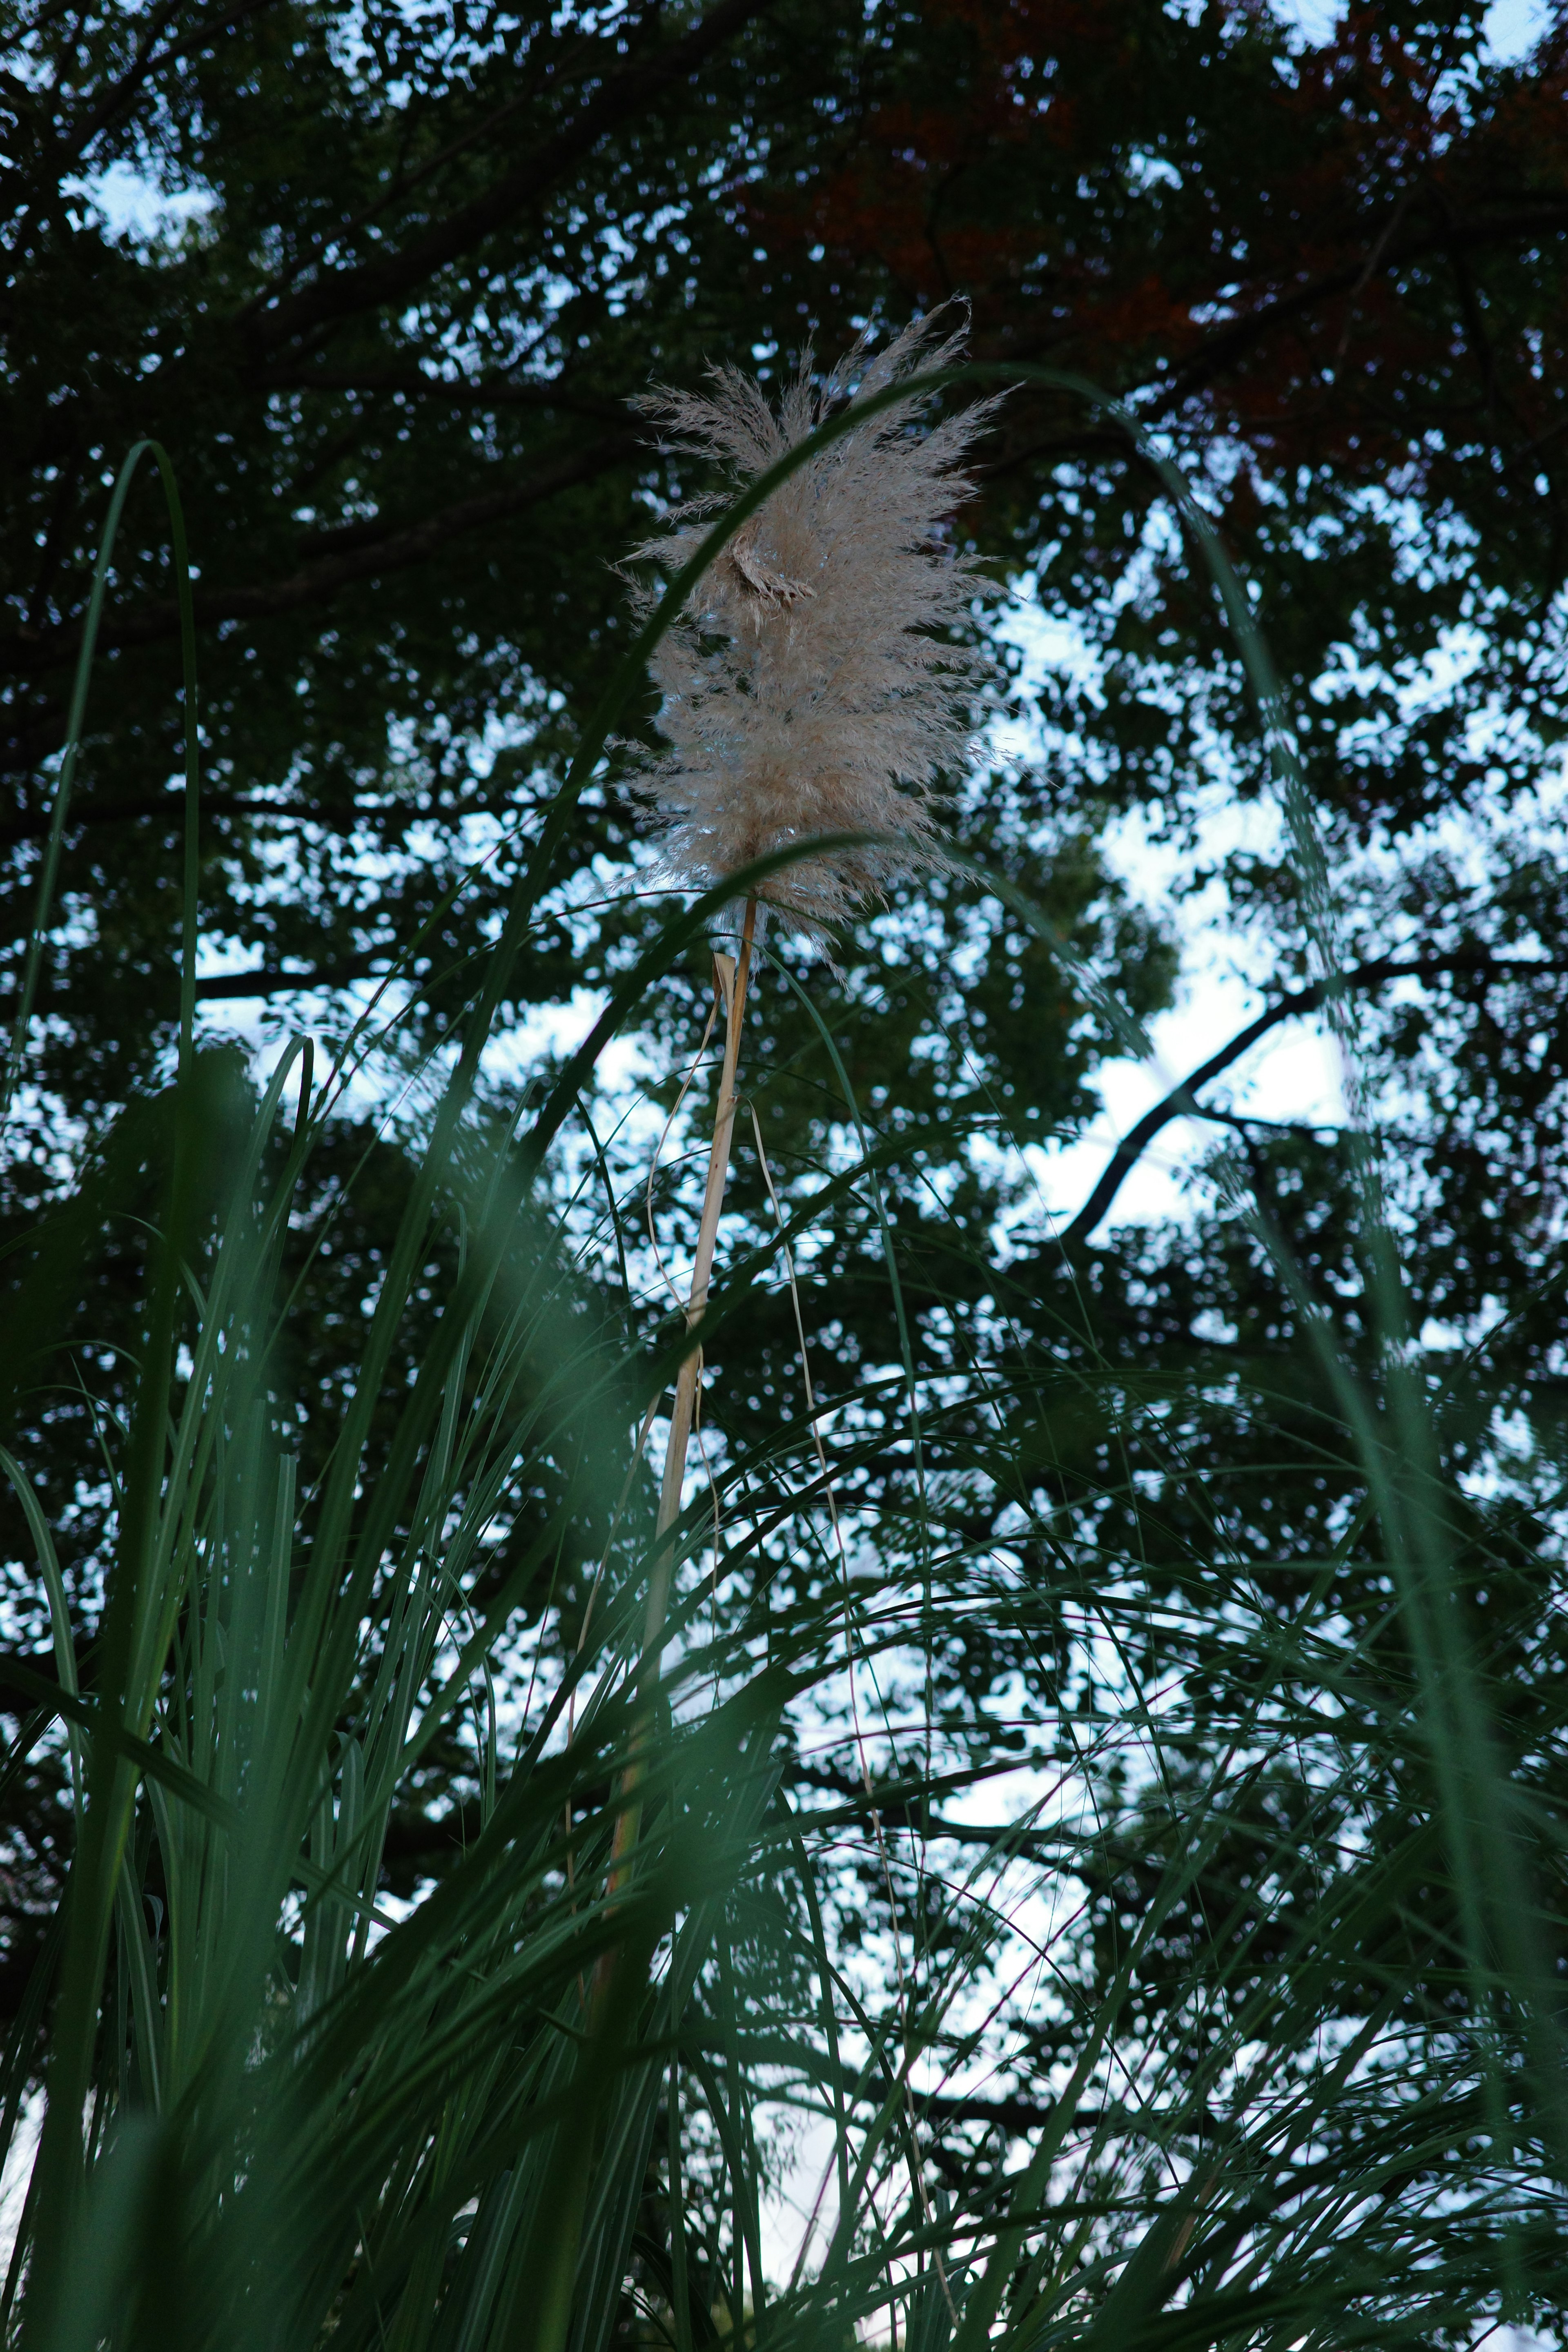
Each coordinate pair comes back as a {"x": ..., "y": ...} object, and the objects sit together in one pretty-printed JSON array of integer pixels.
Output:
[
  {"x": 431, "y": 255},
  {"x": 434, "y": 254}
]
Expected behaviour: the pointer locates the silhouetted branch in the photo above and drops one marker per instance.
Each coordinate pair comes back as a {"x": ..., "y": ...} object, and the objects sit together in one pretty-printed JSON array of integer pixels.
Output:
[
  {"x": 1181, "y": 1103},
  {"x": 359, "y": 552},
  {"x": 636, "y": 83}
]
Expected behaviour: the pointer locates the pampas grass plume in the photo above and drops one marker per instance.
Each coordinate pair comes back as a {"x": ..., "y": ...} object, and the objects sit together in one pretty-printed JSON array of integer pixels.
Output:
[{"x": 813, "y": 684}]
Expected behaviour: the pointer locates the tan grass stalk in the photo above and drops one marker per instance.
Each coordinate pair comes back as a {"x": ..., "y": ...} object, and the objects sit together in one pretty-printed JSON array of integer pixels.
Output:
[
  {"x": 816, "y": 683},
  {"x": 733, "y": 974}
]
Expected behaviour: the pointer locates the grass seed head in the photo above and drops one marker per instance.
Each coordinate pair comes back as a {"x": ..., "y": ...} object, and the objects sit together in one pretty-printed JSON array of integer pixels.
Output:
[{"x": 814, "y": 682}]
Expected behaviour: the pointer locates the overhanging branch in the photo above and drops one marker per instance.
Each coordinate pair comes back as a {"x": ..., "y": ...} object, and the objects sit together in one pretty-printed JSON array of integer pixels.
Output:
[
  {"x": 1181, "y": 1102},
  {"x": 630, "y": 89},
  {"x": 375, "y": 550}
]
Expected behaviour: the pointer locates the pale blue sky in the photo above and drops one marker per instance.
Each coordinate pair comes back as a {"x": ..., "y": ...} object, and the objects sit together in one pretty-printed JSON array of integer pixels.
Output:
[{"x": 1512, "y": 25}]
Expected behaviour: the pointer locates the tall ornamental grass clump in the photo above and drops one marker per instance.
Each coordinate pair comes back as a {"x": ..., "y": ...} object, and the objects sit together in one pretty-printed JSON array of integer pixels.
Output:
[{"x": 1257, "y": 1922}]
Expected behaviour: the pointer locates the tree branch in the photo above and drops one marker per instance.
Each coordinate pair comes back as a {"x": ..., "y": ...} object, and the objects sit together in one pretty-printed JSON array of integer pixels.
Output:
[
  {"x": 246, "y": 984},
  {"x": 243, "y": 985},
  {"x": 72, "y": 144},
  {"x": 370, "y": 550},
  {"x": 1181, "y": 1103},
  {"x": 1013, "y": 2113},
  {"x": 628, "y": 90},
  {"x": 398, "y": 191},
  {"x": 170, "y": 806},
  {"x": 1231, "y": 341},
  {"x": 549, "y": 394}
]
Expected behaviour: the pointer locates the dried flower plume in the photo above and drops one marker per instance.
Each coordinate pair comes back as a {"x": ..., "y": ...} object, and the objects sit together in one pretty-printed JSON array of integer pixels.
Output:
[{"x": 809, "y": 687}]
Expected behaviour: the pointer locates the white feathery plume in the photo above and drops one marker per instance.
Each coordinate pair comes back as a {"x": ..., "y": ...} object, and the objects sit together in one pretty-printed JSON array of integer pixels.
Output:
[{"x": 809, "y": 687}]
